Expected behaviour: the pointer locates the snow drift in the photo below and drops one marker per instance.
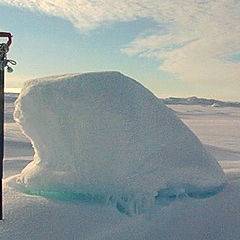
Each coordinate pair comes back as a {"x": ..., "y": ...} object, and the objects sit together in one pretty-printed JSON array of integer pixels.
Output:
[{"x": 104, "y": 137}]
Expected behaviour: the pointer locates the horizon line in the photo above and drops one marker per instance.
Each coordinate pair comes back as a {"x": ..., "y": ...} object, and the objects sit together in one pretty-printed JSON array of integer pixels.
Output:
[
  {"x": 12, "y": 90},
  {"x": 18, "y": 90}
]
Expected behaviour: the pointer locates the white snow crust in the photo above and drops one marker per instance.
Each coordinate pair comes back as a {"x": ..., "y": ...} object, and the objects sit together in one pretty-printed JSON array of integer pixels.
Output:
[
  {"x": 215, "y": 218},
  {"x": 105, "y": 135}
]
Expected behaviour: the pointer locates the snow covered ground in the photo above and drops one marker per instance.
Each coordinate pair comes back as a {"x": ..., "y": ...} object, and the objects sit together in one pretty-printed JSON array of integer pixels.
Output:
[
  {"x": 216, "y": 218},
  {"x": 219, "y": 130}
]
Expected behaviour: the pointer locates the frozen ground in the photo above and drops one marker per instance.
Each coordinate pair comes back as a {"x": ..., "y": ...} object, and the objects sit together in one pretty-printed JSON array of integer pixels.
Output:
[
  {"x": 219, "y": 130},
  {"x": 215, "y": 218}
]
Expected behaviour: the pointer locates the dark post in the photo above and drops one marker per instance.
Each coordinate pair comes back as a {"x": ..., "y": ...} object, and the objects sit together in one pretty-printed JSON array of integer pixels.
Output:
[
  {"x": 1, "y": 135},
  {"x": 4, "y": 47}
]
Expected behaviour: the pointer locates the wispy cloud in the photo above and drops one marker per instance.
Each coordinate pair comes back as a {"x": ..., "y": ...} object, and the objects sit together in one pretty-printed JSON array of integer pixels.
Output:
[
  {"x": 199, "y": 38},
  {"x": 89, "y": 14},
  {"x": 198, "y": 44}
]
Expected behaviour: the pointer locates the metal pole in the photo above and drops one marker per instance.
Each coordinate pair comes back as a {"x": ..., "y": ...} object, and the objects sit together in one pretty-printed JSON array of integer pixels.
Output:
[
  {"x": 4, "y": 47},
  {"x": 1, "y": 136}
]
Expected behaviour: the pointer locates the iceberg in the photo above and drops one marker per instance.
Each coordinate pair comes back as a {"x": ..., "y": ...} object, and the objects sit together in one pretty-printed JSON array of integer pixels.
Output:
[{"x": 103, "y": 137}]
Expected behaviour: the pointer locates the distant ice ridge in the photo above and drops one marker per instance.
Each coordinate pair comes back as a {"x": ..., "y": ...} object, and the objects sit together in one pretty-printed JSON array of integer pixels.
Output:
[
  {"x": 199, "y": 101},
  {"x": 103, "y": 137}
]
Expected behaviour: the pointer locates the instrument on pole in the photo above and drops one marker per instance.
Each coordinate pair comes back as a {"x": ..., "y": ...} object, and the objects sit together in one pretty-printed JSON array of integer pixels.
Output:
[
  {"x": 4, "y": 62},
  {"x": 4, "y": 48}
]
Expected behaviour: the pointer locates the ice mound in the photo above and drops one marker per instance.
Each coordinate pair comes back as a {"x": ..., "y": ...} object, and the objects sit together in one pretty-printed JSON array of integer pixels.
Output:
[{"x": 104, "y": 136}]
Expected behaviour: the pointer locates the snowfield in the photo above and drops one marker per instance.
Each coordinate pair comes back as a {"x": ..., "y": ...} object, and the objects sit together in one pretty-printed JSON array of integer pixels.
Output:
[{"x": 212, "y": 217}]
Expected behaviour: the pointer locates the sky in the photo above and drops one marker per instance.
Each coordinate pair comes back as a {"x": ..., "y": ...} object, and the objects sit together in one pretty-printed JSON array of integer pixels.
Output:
[{"x": 173, "y": 47}]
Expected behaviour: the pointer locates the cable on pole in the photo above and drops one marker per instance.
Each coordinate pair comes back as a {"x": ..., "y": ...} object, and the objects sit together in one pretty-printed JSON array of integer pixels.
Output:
[{"x": 4, "y": 62}]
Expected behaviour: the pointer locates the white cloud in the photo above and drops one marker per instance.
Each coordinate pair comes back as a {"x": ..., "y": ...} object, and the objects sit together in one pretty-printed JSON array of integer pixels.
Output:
[
  {"x": 195, "y": 47},
  {"x": 87, "y": 14},
  {"x": 199, "y": 32}
]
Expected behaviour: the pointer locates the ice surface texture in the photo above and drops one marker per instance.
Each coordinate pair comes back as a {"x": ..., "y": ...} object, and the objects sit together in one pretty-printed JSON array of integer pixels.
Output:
[{"x": 104, "y": 134}]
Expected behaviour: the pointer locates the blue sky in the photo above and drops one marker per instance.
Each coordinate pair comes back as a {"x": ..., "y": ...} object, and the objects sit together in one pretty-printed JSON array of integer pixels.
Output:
[{"x": 174, "y": 48}]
